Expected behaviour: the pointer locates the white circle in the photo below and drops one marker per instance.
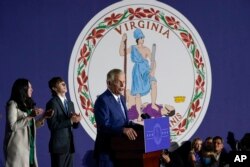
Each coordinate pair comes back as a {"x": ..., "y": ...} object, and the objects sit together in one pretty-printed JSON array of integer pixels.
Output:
[{"x": 176, "y": 73}]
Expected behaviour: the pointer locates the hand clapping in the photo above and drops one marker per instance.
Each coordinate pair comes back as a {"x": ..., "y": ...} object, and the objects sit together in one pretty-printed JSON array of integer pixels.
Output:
[
  {"x": 75, "y": 118},
  {"x": 48, "y": 114},
  {"x": 35, "y": 112}
]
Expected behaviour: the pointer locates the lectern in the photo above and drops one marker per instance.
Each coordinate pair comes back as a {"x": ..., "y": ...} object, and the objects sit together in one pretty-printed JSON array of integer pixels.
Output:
[{"x": 128, "y": 153}]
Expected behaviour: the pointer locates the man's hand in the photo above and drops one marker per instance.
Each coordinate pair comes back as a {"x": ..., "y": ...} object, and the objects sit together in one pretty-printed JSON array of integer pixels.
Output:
[
  {"x": 166, "y": 158},
  {"x": 130, "y": 133},
  {"x": 75, "y": 118}
]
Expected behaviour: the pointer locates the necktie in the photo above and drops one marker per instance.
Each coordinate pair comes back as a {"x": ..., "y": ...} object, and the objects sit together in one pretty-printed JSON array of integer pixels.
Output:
[
  {"x": 123, "y": 110},
  {"x": 66, "y": 105}
]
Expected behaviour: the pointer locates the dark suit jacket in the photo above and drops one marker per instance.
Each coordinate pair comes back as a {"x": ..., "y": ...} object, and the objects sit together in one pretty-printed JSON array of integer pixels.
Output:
[
  {"x": 61, "y": 138},
  {"x": 176, "y": 160},
  {"x": 110, "y": 121},
  {"x": 224, "y": 158}
]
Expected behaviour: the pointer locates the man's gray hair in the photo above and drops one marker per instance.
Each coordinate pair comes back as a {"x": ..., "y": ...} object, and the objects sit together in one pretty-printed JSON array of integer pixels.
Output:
[{"x": 112, "y": 74}]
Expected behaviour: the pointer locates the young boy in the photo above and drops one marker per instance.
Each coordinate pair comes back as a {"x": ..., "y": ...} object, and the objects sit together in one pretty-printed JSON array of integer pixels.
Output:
[{"x": 61, "y": 144}]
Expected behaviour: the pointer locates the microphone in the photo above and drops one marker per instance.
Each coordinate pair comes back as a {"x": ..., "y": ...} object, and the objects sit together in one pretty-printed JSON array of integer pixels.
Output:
[{"x": 145, "y": 116}]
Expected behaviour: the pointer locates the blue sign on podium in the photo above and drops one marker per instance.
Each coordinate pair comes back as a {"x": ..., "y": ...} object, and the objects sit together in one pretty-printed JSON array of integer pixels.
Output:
[{"x": 156, "y": 134}]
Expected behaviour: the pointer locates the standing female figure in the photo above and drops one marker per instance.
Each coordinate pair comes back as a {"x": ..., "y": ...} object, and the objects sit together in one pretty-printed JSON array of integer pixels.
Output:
[{"x": 20, "y": 129}]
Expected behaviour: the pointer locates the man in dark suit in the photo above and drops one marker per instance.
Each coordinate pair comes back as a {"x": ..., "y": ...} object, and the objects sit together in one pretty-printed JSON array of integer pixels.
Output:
[
  {"x": 111, "y": 117},
  {"x": 221, "y": 157},
  {"x": 61, "y": 144}
]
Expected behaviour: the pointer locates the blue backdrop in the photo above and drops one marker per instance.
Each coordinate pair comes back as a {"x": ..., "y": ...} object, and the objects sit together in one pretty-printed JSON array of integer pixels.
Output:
[{"x": 37, "y": 37}]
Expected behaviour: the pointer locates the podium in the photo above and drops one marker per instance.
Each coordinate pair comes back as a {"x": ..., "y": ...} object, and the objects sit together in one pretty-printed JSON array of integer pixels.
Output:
[{"x": 131, "y": 153}]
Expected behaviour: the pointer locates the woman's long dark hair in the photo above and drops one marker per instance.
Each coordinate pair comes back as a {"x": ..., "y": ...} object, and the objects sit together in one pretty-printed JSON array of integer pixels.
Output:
[{"x": 19, "y": 94}]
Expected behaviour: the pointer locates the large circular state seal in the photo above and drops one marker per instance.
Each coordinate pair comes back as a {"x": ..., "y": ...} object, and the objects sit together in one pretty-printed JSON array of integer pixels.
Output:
[{"x": 166, "y": 64}]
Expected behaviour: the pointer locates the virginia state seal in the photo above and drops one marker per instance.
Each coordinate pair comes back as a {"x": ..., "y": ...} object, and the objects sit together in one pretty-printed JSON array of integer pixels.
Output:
[{"x": 166, "y": 64}]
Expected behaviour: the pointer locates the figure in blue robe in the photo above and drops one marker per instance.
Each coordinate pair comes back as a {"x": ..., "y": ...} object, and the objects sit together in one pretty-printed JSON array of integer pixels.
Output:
[{"x": 140, "y": 73}]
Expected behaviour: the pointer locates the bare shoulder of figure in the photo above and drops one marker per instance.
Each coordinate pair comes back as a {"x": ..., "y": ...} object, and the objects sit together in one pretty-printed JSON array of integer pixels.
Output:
[{"x": 147, "y": 51}]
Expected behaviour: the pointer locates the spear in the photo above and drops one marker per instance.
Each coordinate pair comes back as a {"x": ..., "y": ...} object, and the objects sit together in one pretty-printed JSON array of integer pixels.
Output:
[{"x": 125, "y": 66}]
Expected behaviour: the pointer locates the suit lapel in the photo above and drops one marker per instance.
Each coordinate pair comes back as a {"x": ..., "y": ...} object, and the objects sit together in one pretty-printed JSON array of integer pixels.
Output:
[{"x": 117, "y": 105}]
